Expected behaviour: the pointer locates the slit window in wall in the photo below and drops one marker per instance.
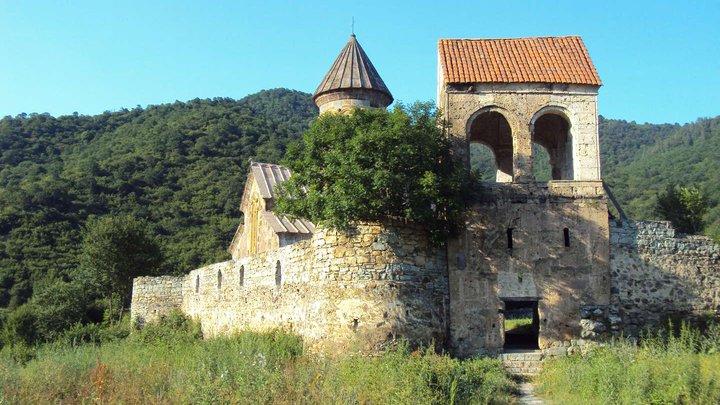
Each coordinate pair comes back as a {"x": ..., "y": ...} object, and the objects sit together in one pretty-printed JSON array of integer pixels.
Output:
[
  {"x": 566, "y": 236},
  {"x": 242, "y": 276},
  {"x": 197, "y": 284},
  {"x": 510, "y": 238},
  {"x": 219, "y": 279},
  {"x": 278, "y": 274}
]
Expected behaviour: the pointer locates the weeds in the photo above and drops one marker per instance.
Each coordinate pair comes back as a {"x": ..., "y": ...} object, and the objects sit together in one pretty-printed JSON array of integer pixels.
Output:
[
  {"x": 669, "y": 367},
  {"x": 170, "y": 363}
]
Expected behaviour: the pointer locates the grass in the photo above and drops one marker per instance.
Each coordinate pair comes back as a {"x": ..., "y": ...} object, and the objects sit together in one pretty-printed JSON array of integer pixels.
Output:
[
  {"x": 173, "y": 365},
  {"x": 674, "y": 369},
  {"x": 518, "y": 325}
]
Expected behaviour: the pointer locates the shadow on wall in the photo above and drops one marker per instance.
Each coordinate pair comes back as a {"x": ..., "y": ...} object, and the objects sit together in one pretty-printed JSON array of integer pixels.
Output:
[
  {"x": 544, "y": 242},
  {"x": 659, "y": 274}
]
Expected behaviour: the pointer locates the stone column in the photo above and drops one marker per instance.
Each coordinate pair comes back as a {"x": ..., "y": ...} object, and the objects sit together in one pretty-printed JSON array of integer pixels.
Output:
[{"x": 522, "y": 154}]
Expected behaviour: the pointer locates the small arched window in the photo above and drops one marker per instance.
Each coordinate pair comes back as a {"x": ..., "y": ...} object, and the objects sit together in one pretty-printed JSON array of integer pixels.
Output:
[
  {"x": 241, "y": 276},
  {"x": 197, "y": 284},
  {"x": 219, "y": 279},
  {"x": 278, "y": 274}
]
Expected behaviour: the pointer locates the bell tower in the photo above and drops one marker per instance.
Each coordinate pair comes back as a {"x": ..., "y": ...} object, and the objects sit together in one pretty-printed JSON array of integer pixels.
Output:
[{"x": 531, "y": 245}]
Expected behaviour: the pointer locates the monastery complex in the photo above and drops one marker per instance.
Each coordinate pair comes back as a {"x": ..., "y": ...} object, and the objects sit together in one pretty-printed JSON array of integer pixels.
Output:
[{"x": 547, "y": 249}]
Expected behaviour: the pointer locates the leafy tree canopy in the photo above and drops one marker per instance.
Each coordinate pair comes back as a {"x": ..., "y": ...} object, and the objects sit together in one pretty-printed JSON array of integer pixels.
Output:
[
  {"x": 116, "y": 250},
  {"x": 372, "y": 165},
  {"x": 683, "y": 206}
]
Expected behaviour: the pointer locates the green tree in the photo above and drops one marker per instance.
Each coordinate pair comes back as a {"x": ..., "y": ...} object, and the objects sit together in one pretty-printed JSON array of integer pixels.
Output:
[
  {"x": 683, "y": 206},
  {"x": 21, "y": 326},
  {"x": 116, "y": 250},
  {"x": 375, "y": 164}
]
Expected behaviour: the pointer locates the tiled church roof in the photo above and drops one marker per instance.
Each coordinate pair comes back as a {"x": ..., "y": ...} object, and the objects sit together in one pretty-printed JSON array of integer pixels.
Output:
[
  {"x": 352, "y": 70},
  {"x": 520, "y": 60}
]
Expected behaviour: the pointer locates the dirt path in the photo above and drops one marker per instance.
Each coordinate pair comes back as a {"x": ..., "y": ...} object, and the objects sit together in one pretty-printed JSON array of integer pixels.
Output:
[{"x": 527, "y": 396}]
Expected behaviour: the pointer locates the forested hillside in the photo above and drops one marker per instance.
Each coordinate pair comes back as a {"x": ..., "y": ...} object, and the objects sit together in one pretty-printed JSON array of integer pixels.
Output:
[
  {"x": 181, "y": 167},
  {"x": 640, "y": 160}
]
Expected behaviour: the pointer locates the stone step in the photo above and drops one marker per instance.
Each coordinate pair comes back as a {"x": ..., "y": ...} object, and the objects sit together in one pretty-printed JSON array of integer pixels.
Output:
[
  {"x": 525, "y": 368},
  {"x": 523, "y": 363},
  {"x": 523, "y": 356}
]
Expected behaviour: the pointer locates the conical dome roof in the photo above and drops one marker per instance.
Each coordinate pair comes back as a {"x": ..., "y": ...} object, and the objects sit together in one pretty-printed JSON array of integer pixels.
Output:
[{"x": 352, "y": 70}]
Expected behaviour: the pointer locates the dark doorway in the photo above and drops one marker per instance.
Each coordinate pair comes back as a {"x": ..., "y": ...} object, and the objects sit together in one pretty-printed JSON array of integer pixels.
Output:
[{"x": 522, "y": 325}]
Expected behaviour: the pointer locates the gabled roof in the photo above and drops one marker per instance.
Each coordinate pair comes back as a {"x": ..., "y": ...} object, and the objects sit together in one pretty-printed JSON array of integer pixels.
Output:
[
  {"x": 518, "y": 60},
  {"x": 352, "y": 70},
  {"x": 268, "y": 176}
]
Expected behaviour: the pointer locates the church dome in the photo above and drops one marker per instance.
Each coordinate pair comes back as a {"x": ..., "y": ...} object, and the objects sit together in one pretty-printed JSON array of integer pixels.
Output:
[{"x": 352, "y": 82}]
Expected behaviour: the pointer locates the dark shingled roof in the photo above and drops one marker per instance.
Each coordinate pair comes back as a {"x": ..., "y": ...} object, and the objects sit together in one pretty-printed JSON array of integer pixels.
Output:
[
  {"x": 517, "y": 60},
  {"x": 268, "y": 176},
  {"x": 352, "y": 70}
]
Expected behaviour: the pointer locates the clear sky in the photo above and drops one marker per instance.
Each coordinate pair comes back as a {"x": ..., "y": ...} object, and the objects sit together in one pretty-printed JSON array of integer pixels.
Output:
[{"x": 659, "y": 60}]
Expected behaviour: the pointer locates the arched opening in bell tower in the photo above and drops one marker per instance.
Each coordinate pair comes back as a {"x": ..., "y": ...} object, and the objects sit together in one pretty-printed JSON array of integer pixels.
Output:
[
  {"x": 551, "y": 131},
  {"x": 491, "y": 147}
]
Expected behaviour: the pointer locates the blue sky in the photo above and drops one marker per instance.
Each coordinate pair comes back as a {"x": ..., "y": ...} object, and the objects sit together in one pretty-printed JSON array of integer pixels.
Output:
[{"x": 659, "y": 61}]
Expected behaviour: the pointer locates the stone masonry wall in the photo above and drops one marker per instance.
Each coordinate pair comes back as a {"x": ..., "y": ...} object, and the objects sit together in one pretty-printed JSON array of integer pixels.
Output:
[
  {"x": 339, "y": 292},
  {"x": 657, "y": 273},
  {"x": 485, "y": 272},
  {"x": 154, "y": 297}
]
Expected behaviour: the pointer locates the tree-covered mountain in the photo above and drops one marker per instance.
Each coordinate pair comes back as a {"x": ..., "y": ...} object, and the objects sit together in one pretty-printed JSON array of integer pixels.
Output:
[
  {"x": 181, "y": 167},
  {"x": 639, "y": 161}
]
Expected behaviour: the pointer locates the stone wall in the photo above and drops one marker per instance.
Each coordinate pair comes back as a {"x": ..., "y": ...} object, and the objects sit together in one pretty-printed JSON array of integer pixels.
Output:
[
  {"x": 657, "y": 273},
  {"x": 485, "y": 272},
  {"x": 340, "y": 292},
  {"x": 343, "y": 101},
  {"x": 154, "y": 297}
]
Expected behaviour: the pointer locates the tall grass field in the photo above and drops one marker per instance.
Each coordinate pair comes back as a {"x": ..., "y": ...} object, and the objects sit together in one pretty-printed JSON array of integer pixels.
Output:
[
  {"x": 171, "y": 364},
  {"x": 682, "y": 368}
]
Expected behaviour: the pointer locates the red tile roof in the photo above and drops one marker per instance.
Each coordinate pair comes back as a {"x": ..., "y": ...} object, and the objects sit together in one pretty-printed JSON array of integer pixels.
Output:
[{"x": 517, "y": 60}]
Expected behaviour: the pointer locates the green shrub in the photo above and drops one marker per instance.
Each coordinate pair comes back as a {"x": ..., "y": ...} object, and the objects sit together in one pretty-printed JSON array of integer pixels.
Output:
[
  {"x": 171, "y": 328},
  {"x": 21, "y": 326}
]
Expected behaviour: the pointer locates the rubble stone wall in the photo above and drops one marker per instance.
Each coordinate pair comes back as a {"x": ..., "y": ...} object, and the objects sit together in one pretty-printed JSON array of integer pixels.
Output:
[
  {"x": 658, "y": 273},
  {"x": 154, "y": 297},
  {"x": 485, "y": 272},
  {"x": 339, "y": 292}
]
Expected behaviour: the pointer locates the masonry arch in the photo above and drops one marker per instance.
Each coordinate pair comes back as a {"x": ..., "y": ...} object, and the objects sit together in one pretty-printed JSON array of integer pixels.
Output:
[
  {"x": 550, "y": 129},
  {"x": 491, "y": 128}
]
